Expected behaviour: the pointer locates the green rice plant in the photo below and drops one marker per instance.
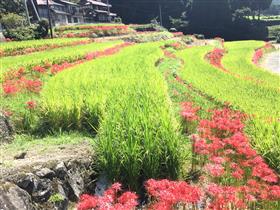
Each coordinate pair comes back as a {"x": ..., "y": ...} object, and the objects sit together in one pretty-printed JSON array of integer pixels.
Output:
[
  {"x": 260, "y": 102},
  {"x": 238, "y": 59},
  {"x": 20, "y": 45},
  {"x": 127, "y": 102},
  {"x": 53, "y": 56}
]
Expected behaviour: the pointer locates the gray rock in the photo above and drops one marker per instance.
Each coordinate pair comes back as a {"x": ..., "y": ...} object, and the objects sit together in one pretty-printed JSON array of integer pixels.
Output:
[
  {"x": 39, "y": 189},
  {"x": 101, "y": 185},
  {"x": 43, "y": 191},
  {"x": 74, "y": 185},
  {"x": 6, "y": 129},
  {"x": 63, "y": 204},
  {"x": 29, "y": 182},
  {"x": 45, "y": 173},
  {"x": 61, "y": 170},
  {"x": 20, "y": 156},
  {"x": 14, "y": 198}
]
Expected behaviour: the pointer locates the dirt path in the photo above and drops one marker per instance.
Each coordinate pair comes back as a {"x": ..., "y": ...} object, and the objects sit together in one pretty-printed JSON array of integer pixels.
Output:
[
  {"x": 271, "y": 60},
  {"x": 39, "y": 156}
]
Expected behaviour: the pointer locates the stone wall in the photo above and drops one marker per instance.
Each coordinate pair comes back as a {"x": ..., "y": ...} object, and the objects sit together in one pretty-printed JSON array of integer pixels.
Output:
[{"x": 49, "y": 186}]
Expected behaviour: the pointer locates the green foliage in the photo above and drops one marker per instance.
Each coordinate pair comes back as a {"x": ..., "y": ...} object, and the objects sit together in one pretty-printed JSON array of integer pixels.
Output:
[
  {"x": 42, "y": 29},
  {"x": 260, "y": 100},
  {"x": 56, "y": 198},
  {"x": 210, "y": 17},
  {"x": 12, "y": 21},
  {"x": 142, "y": 11},
  {"x": 11, "y": 6},
  {"x": 126, "y": 100},
  {"x": 57, "y": 56},
  {"x": 21, "y": 33},
  {"x": 150, "y": 37}
]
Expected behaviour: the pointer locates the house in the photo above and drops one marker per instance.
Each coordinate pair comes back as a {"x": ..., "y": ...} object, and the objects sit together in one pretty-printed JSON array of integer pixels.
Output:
[
  {"x": 62, "y": 12},
  {"x": 74, "y": 11},
  {"x": 57, "y": 11},
  {"x": 97, "y": 11}
]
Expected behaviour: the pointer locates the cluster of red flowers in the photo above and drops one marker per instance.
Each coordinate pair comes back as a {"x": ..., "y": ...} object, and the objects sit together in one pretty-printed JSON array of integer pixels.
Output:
[
  {"x": 107, "y": 52},
  {"x": 189, "y": 112},
  {"x": 98, "y": 27},
  {"x": 164, "y": 195},
  {"x": 11, "y": 87},
  {"x": 257, "y": 56},
  {"x": 215, "y": 57},
  {"x": 223, "y": 141},
  {"x": 111, "y": 200},
  {"x": 31, "y": 105},
  {"x": 25, "y": 51},
  {"x": 16, "y": 81},
  {"x": 260, "y": 52},
  {"x": 178, "y": 34},
  {"x": 98, "y": 30}
]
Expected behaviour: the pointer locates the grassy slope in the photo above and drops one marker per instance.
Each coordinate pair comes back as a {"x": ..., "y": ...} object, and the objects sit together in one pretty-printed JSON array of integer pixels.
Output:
[
  {"x": 16, "y": 103},
  {"x": 262, "y": 102},
  {"x": 251, "y": 98},
  {"x": 60, "y": 54},
  {"x": 9, "y": 46},
  {"x": 138, "y": 135},
  {"x": 239, "y": 60}
]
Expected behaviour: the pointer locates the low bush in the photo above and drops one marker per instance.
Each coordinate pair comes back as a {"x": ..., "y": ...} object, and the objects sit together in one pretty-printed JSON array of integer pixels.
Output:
[
  {"x": 21, "y": 33},
  {"x": 149, "y": 37},
  {"x": 12, "y": 21}
]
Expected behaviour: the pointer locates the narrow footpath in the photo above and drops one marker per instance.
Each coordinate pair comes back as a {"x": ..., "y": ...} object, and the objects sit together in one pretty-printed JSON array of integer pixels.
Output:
[{"x": 271, "y": 60}]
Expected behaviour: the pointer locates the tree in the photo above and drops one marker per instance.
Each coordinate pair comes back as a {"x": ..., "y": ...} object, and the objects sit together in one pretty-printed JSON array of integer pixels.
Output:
[
  {"x": 253, "y": 5},
  {"x": 210, "y": 17},
  {"x": 12, "y": 6},
  {"x": 143, "y": 11}
]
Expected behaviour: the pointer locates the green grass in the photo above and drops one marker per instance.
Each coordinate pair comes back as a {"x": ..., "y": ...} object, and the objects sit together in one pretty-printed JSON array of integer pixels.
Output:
[
  {"x": 261, "y": 102},
  {"x": 19, "y": 45},
  {"x": 26, "y": 142},
  {"x": 127, "y": 102},
  {"x": 53, "y": 56},
  {"x": 17, "y": 103},
  {"x": 238, "y": 59}
]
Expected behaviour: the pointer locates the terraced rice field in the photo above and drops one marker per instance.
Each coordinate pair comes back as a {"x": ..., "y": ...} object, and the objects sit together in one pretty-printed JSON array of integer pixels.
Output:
[{"x": 207, "y": 115}]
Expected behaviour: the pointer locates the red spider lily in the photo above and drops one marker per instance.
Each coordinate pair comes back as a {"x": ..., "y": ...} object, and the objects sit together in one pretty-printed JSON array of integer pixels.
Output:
[
  {"x": 215, "y": 57},
  {"x": 110, "y": 200},
  {"x": 169, "y": 193},
  {"x": 189, "y": 112},
  {"x": 215, "y": 170},
  {"x": 10, "y": 88},
  {"x": 39, "y": 69},
  {"x": 31, "y": 104},
  {"x": 257, "y": 56},
  {"x": 178, "y": 34},
  {"x": 43, "y": 48}
]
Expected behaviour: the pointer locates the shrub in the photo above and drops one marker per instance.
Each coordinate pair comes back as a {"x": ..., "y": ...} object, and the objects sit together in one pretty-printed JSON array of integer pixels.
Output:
[
  {"x": 42, "y": 28},
  {"x": 12, "y": 21},
  {"x": 21, "y": 33},
  {"x": 149, "y": 37}
]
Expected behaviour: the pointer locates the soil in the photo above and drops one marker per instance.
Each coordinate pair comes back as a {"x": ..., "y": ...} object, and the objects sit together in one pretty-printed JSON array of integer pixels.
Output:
[{"x": 38, "y": 156}]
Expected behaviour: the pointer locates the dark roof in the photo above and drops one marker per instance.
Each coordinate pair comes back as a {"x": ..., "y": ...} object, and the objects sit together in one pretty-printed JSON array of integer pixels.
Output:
[
  {"x": 96, "y": 3},
  {"x": 44, "y": 2},
  {"x": 68, "y": 2}
]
